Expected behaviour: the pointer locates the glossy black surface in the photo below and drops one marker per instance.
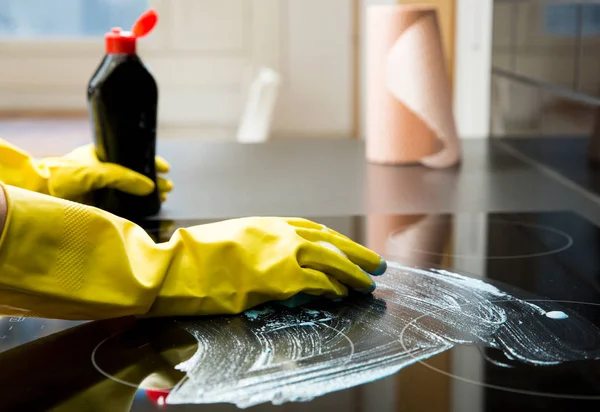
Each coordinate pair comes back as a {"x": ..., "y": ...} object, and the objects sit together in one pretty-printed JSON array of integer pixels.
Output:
[
  {"x": 48, "y": 364},
  {"x": 123, "y": 101},
  {"x": 568, "y": 156}
]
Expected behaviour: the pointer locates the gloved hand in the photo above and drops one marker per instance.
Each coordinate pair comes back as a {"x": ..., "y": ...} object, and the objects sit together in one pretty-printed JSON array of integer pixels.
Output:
[
  {"x": 66, "y": 260},
  {"x": 75, "y": 175}
]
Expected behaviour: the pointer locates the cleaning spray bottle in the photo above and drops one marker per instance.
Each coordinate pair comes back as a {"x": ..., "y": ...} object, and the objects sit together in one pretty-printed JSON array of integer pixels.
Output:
[{"x": 122, "y": 102}]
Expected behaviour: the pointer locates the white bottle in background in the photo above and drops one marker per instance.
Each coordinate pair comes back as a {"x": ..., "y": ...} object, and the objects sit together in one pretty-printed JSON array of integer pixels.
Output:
[{"x": 255, "y": 126}]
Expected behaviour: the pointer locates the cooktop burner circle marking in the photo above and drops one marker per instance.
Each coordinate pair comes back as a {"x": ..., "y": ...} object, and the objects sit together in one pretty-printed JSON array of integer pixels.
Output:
[
  {"x": 567, "y": 239},
  {"x": 137, "y": 386},
  {"x": 112, "y": 377},
  {"x": 498, "y": 387}
]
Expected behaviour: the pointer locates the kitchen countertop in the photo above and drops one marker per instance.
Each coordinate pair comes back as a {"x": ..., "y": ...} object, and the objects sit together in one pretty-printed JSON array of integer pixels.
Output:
[
  {"x": 327, "y": 177},
  {"x": 330, "y": 177},
  {"x": 567, "y": 156}
]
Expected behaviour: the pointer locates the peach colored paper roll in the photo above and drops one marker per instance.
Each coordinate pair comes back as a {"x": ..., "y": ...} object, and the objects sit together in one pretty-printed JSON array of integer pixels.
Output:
[{"x": 409, "y": 102}]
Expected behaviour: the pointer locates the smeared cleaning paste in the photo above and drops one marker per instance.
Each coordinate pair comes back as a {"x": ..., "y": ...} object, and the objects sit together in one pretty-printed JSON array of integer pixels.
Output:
[{"x": 279, "y": 355}]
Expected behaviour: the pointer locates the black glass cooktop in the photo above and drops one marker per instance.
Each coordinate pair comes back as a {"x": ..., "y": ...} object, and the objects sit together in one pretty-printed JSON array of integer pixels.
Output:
[{"x": 532, "y": 348}]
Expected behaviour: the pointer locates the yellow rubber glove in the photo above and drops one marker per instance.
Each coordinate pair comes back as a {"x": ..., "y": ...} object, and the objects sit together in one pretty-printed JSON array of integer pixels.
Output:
[
  {"x": 75, "y": 175},
  {"x": 66, "y": 260}
]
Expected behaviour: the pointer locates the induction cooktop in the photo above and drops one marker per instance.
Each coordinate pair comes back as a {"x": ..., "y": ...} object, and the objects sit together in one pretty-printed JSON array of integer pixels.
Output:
[{"x": 515, "y": 328}]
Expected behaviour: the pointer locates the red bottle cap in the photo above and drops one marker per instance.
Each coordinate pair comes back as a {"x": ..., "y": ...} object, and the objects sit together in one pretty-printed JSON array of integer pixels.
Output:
[{"x": 119, "y": 41}]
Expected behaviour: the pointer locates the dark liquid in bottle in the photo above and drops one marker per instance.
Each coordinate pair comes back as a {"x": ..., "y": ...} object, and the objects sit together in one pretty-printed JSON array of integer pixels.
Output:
[{"x": 123, "y": 98}]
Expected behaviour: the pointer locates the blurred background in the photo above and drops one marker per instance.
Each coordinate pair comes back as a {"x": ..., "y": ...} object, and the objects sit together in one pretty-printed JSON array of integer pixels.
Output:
[
  {"x": 546, "y": 60},
  {"x": 518, "y": 67},
  {"x": 205, "y": 54}
]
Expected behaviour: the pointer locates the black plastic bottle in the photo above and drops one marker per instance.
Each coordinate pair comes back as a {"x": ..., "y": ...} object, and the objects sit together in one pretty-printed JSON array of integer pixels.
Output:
[{"x": 123, "y": 104}]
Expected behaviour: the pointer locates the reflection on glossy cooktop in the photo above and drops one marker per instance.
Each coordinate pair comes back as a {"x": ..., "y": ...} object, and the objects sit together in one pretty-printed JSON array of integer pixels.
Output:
[{"x": 481, "y": 312}]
